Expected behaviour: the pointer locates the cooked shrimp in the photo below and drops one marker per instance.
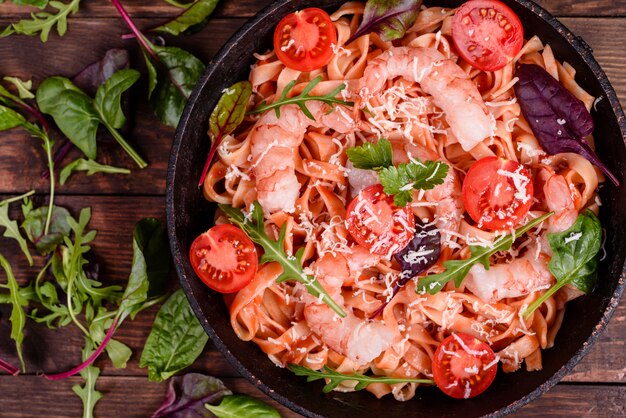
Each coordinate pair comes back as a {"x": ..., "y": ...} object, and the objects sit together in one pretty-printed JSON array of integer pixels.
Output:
[
  {"x": 451, "y": 89},
  {"x": 559, "y": 197},
  {"x": 519, "y": 277},
  {"x": 358, "y": 339},
  {"x": 446, "y": 197},
  {"x": 274, "y": 144}
]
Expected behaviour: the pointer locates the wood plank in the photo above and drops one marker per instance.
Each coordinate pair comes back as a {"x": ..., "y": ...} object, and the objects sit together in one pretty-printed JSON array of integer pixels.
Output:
[
  {"x": 153, "y": 140},
  {"x": 562, "y": 400},
  {"x": 248, "y": 8}
]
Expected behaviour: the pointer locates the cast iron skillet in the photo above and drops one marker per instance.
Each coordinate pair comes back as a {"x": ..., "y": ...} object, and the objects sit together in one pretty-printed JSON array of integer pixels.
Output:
[{"x": 188, "y": 214}]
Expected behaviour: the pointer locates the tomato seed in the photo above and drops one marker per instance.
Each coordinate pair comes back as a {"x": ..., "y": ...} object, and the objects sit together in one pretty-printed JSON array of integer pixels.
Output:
[{"x": 483, "y": 12}]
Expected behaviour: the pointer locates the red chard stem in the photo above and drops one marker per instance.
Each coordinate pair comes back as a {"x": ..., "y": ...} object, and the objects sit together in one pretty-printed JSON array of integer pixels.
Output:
[{"x": 12, "y": 370}]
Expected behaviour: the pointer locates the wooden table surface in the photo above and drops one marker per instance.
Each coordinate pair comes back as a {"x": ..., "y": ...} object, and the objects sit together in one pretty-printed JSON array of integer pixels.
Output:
[{"x": 596, "y": 387}]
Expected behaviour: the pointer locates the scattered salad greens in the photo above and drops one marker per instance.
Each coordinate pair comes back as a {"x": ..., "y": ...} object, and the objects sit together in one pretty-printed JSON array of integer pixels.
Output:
[
  {"x": 176, "y": 339},
  {"x": 390, "y": 19},
  {"x": 398, "y": 181},
  {"x": 254, "y": 227},
  {"x": 91, "y": 167},
  {"x": 456, "y": 270},
  {"x": 225, "y": 117},
  {"x": 187, "y": 395},
  {"x": 43, "y": 22},
  {"x": 574, "y": 257},
  {"x": 18, "y": 317},
  {"x": 193, "y": 18},
  {"x": 335, "y": 378},
  {"x": 301, "y": 99},
  {"x": 236, "y": 406}
]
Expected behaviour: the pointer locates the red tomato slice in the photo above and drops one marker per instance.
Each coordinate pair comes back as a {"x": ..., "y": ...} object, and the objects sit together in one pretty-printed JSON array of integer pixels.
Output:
[
  {"x": 497, "y": 193},
  {"x": 302, "y": 40},
  {"x": 463, "y": 366},
  {"x": 377, "y": 224},
  {"x": 224, "y": 258},
  {"x": 487, "y": 33}
]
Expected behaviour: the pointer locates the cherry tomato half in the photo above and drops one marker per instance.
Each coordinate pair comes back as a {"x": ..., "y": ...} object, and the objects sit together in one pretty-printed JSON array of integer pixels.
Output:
[
  {"x": 463, "y": 366},
  {"x": 497, "y": 193},
  {"x": 377, "y": 224},
  {"x": 487, "y": 34},
  {"x": 224, "y": 258},
  {"x": 302, "y": 40}
]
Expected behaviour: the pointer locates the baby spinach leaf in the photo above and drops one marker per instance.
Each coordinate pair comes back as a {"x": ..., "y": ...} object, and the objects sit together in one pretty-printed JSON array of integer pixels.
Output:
[
  {"x": 557, "y": 118},
  {"x": 388, "y": 18},
  {"x": 43, "y": 22},
  {"x": 151, "y": 239},
  {"x": 225, "y": 117},
  {"x": 574, "y": 257},
  {"x": 34, "y": 225},
  {"x": 194, "y": 17},
  {"x": 236, "y": 406},
  {"x": 109, "y": 95},
  {"x": 186, "y": 396},
  {"x": 91, "y": 167},
  {"x": 18, "y": 317},
  {"x": 370, "y": 156},
  {"x": 175, "y": 341},
  {"x": 72, "y": 111},
  {"x": 13, "y": 231},
  {"x": 10, "y": 119},
  {"x": 171, "y": 76},
  {"x": 456, "y": 270},
  {"x": 97, "y": 73}
]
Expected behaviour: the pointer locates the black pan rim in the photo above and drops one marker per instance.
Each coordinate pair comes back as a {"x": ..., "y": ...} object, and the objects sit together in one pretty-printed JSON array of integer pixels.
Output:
[{"x": 576, "y": 42}]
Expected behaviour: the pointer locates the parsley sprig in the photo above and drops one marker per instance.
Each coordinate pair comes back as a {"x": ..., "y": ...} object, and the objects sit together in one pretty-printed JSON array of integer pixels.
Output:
[
  {"x": 275, "y": 251},
  {"x": 398, "y": 181},
  {"x": 457, "y": 269},
  {"x": 336, "y": 378},
  {"x": 302, "y": 98}
]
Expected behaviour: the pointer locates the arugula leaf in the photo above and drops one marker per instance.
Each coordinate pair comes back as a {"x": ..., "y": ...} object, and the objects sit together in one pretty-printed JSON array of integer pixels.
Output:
[
  {"x": 187, "y": 394},
  {"x": 78, "y": 115},
  {"x": 336, "y": 378},
  {"x": 574, "y": 257},
  {"x": 301, "y": 99},
  {"x": 118, "y": 352},
  {"x": 91, "y": 167},
  {"x": 13, "y": 231},
  {"x": 225, "y": 117},
  {"x": 23, "y": 87},
  {"x": 18, "y": 317},
  {"x": 275, "y": 251},
  {"x": 194, "y": 17},
  {"x": 175, "y": 341},
  {"x": 388, "y": 18},
  {"x": 10, "y": 119},
  {"x": 37, "y": 3},
  {"x": 400, "y": 181},
  {"x": 371, "y": 156},
  {"x": 34, "y": 225},
  {"x": 88, "y": 393},
  {"x": 43, "y": 22},
  {"x": 236, "y": 406},
  {"x": 457, "y": 269}
]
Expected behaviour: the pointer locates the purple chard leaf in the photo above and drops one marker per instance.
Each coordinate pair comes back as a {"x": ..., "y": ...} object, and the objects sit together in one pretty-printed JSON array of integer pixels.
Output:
[
  {"x": 390, "y": 19},
  {"x": 557, "y": 118},
  {"x": 187, "y": 394}
]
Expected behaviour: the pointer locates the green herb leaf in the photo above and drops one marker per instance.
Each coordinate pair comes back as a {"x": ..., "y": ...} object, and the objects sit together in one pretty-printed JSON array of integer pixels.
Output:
[
  {"x": 18, "y": 317},
  {"x": 118, "y": 352},
  {"x": 388, "y": 18},
  {"x": 88, "y": 393},
  {"x": 171, "y": 81},
  {"x": 34, "y": 226},
  {"x": 72, "y": 111},
  {"x": 37, "y": 3},
  {"x": 336, "y": 378},
  {"x": 193, "y": 18},
  {"x": 275, "y": 251},
  {"x": 457, "y": 269},
  {"x": 13, "y": 231},
  {"x": 301, "y": 99},
  {"x": 400, "y": 181},
  {"x": 91, "y": 167},
  {"x": 23, "y": 87},
  {"x": 43, "y": 22},
  {"x": 10, "y": 119},
  {"x": 109, "y": 96},
  {"x": 574, "y": 257},
  {"x": 175, "y": 341},
  {"x": 237, "y": 406},
  {"x": 371, "y": 156}
]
